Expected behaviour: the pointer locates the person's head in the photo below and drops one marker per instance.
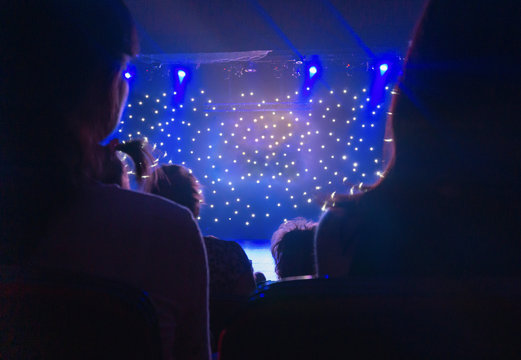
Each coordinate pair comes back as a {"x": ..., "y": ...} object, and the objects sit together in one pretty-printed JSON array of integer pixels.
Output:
[
  {"x": 114, "y": 169},
  {"x": 292, "y": 248},
  {"x": 259, "y": 277},
  {"x": 61, "y": 92},
  {"x": 176, "y": 183},
  {"x": 450, "y": 200},
  {"x": 335, "y": 242},
  {"x": 456, "y": 113},
  {"x": 64, "y": 59}
]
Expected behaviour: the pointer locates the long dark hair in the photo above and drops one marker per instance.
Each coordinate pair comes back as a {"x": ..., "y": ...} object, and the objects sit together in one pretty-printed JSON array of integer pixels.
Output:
[
  {"x": 451, "y": 203},
  {"x": 54, "y": 55}
]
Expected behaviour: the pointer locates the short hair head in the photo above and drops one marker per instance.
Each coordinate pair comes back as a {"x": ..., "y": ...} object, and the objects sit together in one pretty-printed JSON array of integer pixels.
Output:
[
  {"x": 177, "y": 183},
  {"x": 292, "y": 248},
  {"x": 335, "y": 241}
]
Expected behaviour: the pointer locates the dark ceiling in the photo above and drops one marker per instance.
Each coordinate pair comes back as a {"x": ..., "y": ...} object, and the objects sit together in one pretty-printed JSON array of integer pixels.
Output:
[{"x": 187, "y": 26}]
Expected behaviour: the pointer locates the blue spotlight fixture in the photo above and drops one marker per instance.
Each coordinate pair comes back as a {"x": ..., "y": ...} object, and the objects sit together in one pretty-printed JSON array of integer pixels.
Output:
[
  {"x": 181, "y": 74},
  {"x": 385, "y": 72},
  {"x": 130, "y": 72},
  {"x": 312, "y": 73},
  {"x": 383, "y": 69}
]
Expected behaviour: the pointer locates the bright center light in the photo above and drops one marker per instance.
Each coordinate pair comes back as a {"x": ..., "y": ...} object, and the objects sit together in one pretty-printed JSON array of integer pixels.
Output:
[
  {"x": 128, "y": 75},
  {"x": 312, "y": 71},
  {"x": 181, "y": 74},
  {"x": 383, "y": 69}
]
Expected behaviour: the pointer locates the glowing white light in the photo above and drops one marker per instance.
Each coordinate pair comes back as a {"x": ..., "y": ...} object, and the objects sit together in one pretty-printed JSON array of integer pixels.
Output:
[
  {"x": 181, "y": 74},
  {"x": 383, "y": 69},
  {"x": 312, "y": 71}
]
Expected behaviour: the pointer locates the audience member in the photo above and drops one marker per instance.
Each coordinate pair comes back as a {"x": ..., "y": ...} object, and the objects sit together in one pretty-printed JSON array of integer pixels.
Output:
[
  {"x": 230, "y": 269},
  {"x": 336, "y": 239},
  {"x": 231, "y": 273},
  {"x": 449, "y": 204},
  {"x": 292, "y": 248},
  {"x": 114, "y": 169},
  {"x": 259, "y": 278},
  {"x": 62, "y": 92}
]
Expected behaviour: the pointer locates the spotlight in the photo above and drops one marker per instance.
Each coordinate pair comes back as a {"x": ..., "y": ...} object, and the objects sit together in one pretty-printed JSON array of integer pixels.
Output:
[
  {"x": 386, "y": 69},
  {"x": 181, "y": 74},
  {"x": 312, "y": 71},
  {"x": 383, "y": 69},
  {"x": 129, "y": 72}
]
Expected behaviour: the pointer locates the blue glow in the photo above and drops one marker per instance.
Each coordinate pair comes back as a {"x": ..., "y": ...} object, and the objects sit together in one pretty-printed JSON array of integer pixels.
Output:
[
  {"x": 383, "y": 69},
  {"x": 181, "y": 74},
  {"x": 312, "y": 71},
  {"x": 312, "y": 74},
  {"x": 130, "y": 72}
]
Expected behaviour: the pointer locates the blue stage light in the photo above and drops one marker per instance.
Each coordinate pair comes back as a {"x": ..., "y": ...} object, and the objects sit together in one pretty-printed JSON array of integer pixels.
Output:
[
  {"x": 130, "y": 72},
  {"x": 312, "y": 71},
  {"x": 181, "y": 74},
  {"x": 383, "y": 69}
]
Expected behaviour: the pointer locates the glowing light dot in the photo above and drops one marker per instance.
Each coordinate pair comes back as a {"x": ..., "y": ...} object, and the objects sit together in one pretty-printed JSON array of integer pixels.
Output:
[
  {"x": 181, "y": 74},
  {"x": 383, "y": 69},
  {"x": 312, "y": 71}
]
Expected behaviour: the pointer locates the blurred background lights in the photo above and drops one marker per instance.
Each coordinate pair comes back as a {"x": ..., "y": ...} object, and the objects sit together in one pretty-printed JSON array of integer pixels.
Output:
[{"x": 247, "y": 142}]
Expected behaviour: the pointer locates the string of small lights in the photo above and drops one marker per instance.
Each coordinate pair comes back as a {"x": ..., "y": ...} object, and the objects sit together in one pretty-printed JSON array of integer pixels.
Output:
[{"x": 263, "y": 159}]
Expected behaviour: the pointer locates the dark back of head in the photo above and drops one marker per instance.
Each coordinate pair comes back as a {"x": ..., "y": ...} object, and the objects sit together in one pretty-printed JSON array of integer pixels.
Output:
[
  {"x": 176, "y": 183},
  {"x": 53, "y": 56},
  {"x": 292, "y": 248},
  {"x": 335, "y": 241},
  {"x": 458, "y": 105},
  {"x": 451, "y": 204}
]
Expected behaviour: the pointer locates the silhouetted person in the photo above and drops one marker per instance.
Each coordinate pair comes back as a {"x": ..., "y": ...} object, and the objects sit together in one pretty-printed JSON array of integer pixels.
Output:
[
  {"x": 230, "y": 269},
  {"x": 449, "y": 204},
  {"x": 336, "y": 238},
  {"x": 259, "y": 278},
  {"x": 292, "y": 248},
  {"x": 231, "y": 274},
  {"x": 62, "y": 91}
]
